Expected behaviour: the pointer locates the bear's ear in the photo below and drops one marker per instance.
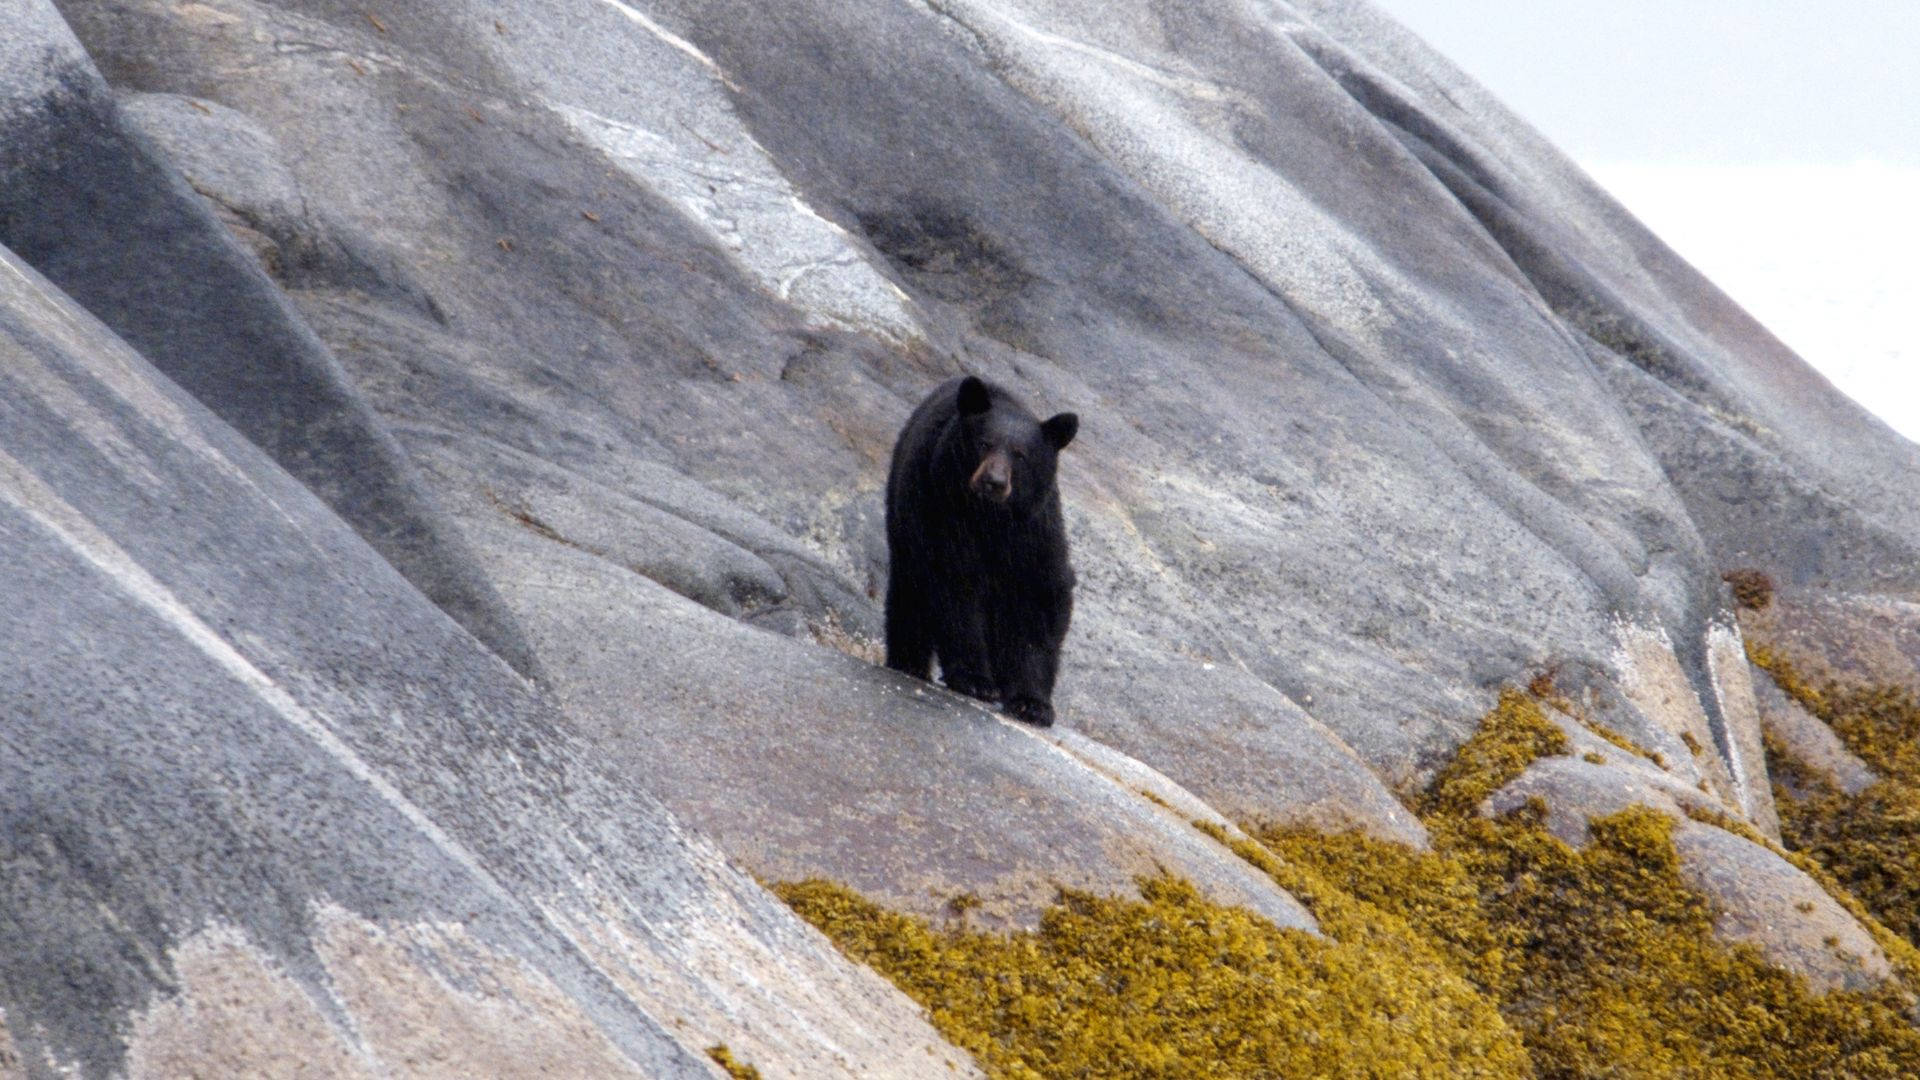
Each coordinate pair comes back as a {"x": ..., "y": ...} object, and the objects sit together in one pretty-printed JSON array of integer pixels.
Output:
[
  {"x": 974, "y": 398},
  {"x": 1060, "y": 430}
]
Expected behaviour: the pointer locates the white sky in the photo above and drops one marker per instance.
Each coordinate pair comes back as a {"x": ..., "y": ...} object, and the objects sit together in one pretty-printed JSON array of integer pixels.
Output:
[
  {"x": 1695, "y": 81},
  {"x": 1773, "y": 143}
]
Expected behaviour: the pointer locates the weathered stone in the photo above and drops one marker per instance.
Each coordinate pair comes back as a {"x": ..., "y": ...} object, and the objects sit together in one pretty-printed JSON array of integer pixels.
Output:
[
  {"x": 1808, "y": 739},
  {"x": 263, "y": 794},
  {"x": 1847, "y": 637},
  {"x": 99, "y": 212},
  {"x": 1739, "y": 742},
  {"x": 596, "y": 320},
  {"x": 1762, "y": 900},
  {"x": 802, "y": 762},
  {"x": 1576, "y": 790}
]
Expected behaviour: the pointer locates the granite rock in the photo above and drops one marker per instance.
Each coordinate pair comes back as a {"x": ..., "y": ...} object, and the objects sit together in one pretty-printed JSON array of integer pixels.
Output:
[{"x": 442, "y": 456}]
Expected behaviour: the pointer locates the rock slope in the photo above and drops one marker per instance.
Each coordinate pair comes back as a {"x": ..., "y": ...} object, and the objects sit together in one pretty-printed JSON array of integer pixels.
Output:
[{"x": 441, "y": 456}]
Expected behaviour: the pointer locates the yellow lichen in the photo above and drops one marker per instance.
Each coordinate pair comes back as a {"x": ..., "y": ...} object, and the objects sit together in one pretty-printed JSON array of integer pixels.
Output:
[
  {"x": 1623, "y": 742},
  {"x": 1503, "y": 951},
  {"x": 1544, "y": 690},
  {"x": 1621, "y": 973},
  {"x": 1174, "y": 985},
  {"x": 724, "y": 1058},
  {"x": 1510, "y": 738},
  {"x": 1786, "y": 676},
  {"x": 1903, "y": 954},
  {"x": 1424, "y": 897},
  {"x": 1608, "y": 964},
  {"x": 1869, "y": 842},
  {"x": 1601, "y": 957},
  {"x": 1721, "y": 820}
]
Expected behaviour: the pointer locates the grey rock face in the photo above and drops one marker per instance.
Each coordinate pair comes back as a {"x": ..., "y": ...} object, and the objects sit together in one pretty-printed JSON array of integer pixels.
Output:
[
  {"x": 97, "y": 210},
  {"x": 902, "y": 790},
  {"x": 263, "y": 798},
  {"x": 590, "y": 325}
]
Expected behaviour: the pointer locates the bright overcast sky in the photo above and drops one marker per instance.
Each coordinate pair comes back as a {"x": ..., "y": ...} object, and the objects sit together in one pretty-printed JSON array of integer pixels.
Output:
[
  {"x": 1774, "y": 144},
  {"x": 1695, "y": 81}
]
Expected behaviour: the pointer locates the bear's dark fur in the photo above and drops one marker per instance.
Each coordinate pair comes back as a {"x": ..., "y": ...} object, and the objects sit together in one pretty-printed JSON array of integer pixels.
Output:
[{"x": 978, "y": 551}]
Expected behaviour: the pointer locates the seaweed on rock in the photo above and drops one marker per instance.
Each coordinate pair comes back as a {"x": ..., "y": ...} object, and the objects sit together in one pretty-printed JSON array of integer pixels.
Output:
[
  {"x": 1503, "y": 951},
  {"x": 1869, "y": 842},
  {"x": 1174, "y": 985}
]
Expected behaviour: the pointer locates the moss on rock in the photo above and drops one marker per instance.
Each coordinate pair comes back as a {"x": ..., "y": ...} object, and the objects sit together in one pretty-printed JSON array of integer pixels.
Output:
[
  {"x": 1623, "y": 742},
  {"x": 1511, "y": 737},
  {"x": 1601, "y": 957},
  {"x": 1752, "y": 587},
  {"x": 1386, "y": 887},
  {"x": 1620, "y": 972},
  {"x": 724, "y": 1058},
  {"x": 1603, "y": 960},
  {"x": 1503, "y": 951},
  {"x": 1173, "y": 985},
  {"x": 1869, "y": 842}
]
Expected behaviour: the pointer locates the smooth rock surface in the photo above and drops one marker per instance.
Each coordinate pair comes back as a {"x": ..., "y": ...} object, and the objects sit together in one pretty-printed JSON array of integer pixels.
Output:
[
  {"x": 103, "y": 214},
  {"x": 1762, "y": 900},
  {"x": 908, "y": 793},
  {"x": 576, "y": 333},
  {"x": 266, "y": 804}
]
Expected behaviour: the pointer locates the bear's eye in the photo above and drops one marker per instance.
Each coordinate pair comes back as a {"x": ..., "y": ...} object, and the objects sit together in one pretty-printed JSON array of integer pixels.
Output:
[{"x": 1019, "y": 455}]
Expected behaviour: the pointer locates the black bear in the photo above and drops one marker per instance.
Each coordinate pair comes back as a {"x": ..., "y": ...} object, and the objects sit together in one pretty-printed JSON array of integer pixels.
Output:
[{"x": 977, "y": 549}]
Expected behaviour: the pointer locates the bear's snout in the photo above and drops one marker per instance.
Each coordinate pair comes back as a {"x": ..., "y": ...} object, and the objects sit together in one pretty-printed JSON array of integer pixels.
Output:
[{"x": 994, "y": 478}]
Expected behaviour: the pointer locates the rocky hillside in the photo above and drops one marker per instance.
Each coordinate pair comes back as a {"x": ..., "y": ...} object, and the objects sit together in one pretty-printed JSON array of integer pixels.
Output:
[{"x": 440, "y": 460}]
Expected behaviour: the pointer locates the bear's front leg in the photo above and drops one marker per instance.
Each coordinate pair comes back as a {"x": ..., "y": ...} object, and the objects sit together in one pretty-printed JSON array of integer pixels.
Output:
[
  {"x": 960, "y": 640},
  {"x": 1026, "y": 690},
  {"x": 1027, "y": 657}
]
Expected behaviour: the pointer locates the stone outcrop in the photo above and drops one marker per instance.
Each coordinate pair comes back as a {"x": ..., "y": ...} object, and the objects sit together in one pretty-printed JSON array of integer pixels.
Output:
[{"x": 440, "y": 454}]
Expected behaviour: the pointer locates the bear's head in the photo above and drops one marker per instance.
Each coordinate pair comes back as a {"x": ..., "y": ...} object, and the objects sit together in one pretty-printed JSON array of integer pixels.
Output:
[{"x": 1015, "y": 455}]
